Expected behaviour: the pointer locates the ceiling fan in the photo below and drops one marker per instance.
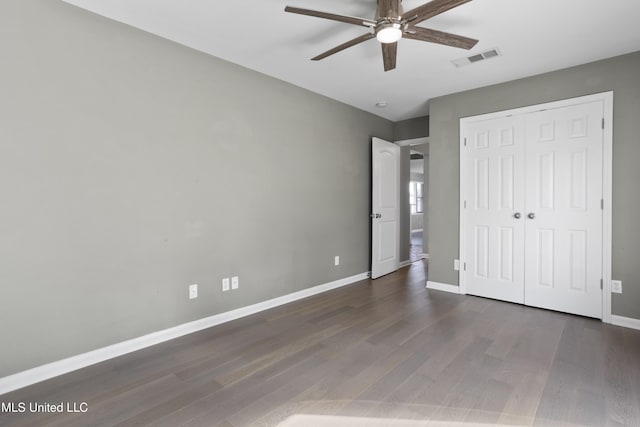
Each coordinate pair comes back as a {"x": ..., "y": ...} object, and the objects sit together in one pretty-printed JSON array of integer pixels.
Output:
[{"x": 391, "y": 24}]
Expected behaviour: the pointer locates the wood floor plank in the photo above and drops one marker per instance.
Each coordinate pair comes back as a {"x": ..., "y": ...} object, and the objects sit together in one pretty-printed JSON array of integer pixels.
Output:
[
  {"x": 621, "y": 410},
  {"x": 385, "y": 349}
]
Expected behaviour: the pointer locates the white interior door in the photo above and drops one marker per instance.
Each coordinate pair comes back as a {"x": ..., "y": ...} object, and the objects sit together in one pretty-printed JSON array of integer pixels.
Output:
[
  {"x": 564, "y": 211},
  {"x": 493, "y": 216},
  {"x": 385, "y": 202},
  {"x": 532, "y": 217}
]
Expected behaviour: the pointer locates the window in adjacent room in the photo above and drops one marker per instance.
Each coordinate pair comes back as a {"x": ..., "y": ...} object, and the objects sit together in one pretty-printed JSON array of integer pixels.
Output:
[{"x": 415, "y": 196}]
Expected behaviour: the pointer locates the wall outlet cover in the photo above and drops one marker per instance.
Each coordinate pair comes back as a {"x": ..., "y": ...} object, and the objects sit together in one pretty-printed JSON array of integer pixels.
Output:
[
  {"x": 225, "y": 284},
  {"x": 616, "y": 286},
  {"x": 456, "y": 264},
  {"x": 193, "y": 291},
  {"x": 336, "y": 260},
  {"x": 235, "y": 282}
]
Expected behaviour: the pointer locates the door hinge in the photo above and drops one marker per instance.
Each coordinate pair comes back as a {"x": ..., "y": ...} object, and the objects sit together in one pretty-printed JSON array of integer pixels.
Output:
[
  {"x": 602, "y": 204},
  {"x": 465, "y": 141},
  {"x": 464, "y": 266},
  {"x": 603, "y": 123},
  {"x": 465, "y": 204},
  {"x": 601, "y": 284}
]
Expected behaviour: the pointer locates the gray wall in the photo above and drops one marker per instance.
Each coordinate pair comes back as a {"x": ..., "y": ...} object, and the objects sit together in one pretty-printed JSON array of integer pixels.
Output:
[
  {"x": 411, "y": 128},
  {"x": 131, "y": 167},
  {"x": 425, "y": 204},
  {"x": 405, "y": 211},
  {"x": 620, "y": 74}
]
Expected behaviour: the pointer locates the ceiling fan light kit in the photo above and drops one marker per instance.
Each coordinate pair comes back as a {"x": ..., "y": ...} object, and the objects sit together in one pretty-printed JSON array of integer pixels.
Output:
[
  {"x": 391, "y": 24},
  {"x": 389, "y": 33}
]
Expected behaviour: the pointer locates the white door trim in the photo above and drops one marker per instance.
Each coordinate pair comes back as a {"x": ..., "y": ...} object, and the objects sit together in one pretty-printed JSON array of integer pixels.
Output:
[
  {"x": 607, "y": 189},
  {"x": 413, "y": 141}
]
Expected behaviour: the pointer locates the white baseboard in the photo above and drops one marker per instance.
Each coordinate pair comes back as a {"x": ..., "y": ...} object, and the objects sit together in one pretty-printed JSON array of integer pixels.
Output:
[
  {"x": 417, "y": 229},
  {"x": 627, "y": 322},
  {"x": 54, "y": 369},
  {"x": 404, "y": 263},
  {"x": 443, "y": 287},
  {"x": 425, "y": 256}
]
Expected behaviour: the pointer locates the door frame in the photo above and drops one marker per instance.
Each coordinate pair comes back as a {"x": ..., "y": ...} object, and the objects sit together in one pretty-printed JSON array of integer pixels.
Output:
[
  {"x": 607, "y": 189},
  {"x": 408, "y": 143}
]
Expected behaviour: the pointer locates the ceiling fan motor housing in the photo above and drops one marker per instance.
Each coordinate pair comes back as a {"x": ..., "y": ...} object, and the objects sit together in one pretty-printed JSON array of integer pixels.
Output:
[{"x": 389, "y": 9}]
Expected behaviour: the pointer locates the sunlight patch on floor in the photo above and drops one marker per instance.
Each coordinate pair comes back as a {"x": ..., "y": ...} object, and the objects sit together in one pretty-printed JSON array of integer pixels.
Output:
[{"x": 303, "y": 420}]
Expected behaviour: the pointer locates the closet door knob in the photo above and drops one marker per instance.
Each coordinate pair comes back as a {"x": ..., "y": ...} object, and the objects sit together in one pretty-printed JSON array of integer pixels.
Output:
[
  {"x": 531, "y": 215},
  {"x": 517, "y": 215}
]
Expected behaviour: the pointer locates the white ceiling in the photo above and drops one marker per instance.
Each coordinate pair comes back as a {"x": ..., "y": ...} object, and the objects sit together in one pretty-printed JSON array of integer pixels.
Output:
[{"x": 534, "y": 36}]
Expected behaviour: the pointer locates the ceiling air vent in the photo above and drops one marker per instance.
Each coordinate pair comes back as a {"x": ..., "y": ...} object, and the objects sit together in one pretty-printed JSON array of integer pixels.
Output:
[{"x": 477, "y": 57}]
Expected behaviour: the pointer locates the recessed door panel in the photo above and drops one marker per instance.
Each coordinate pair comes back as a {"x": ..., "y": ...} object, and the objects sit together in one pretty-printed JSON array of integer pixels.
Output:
[
  {"x": 387, "y": 179},
  {"x": 544, "y": 259},
  {"x": 578, "y": 260},
  {"x": 387, "y": 233},
  {"x": 506, "y": 253},
  {"x": 578, "y": 185},
  {"x": 506, "y": 182},
  {"x": 544, "y": 175},
  {"x": 482, "y": 183},
  {"x": 482, "y": 252}
]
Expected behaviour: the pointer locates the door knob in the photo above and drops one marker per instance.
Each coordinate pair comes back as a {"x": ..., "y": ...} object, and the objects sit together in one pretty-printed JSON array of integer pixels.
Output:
[
  {"x": 517, "y": 215},
  {"x": 378, "y": 216},
  {"x": 531, "y": 215}
]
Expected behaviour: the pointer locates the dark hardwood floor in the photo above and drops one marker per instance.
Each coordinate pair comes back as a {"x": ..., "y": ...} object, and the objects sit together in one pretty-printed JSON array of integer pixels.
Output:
[
  {"x": 377, "y": 353},
  {"x": 416, "y": 248}
]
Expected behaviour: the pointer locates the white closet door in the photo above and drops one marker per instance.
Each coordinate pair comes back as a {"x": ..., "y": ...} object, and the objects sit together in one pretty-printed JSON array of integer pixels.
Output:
[
  {"x": 494, "y": 213},
  {"x": 563, "y": 238}
]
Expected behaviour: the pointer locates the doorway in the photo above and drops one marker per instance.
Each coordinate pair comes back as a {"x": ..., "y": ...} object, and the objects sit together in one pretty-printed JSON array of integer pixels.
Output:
[
  {"x": 414, "y": 200},
  {"x": 416, "y": 205}
]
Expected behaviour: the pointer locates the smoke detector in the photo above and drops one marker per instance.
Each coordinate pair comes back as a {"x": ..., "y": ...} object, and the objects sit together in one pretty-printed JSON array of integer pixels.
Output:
[{"x": 477, "y": 57}]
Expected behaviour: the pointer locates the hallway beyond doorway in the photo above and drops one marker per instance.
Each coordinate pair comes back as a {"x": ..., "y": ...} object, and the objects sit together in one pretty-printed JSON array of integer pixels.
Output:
[{"x": 415, "y": 250}]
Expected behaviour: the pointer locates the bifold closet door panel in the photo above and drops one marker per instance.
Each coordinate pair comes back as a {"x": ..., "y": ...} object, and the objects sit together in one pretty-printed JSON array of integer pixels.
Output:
[
  {"x": 494, "y": 212},
  {"x": 563, "y": 223}
]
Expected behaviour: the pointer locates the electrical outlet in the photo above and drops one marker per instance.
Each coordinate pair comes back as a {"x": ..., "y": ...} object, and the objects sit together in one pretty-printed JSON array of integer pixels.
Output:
[
  {"x": 193, "y": 291},
  {"x": 456, "y": 264},
  {"x": 616, "y": 286},
  {"x": 235, "y": 282},
  {"x": 225, "y": 284},
  {"x": 336, "y": 260}
]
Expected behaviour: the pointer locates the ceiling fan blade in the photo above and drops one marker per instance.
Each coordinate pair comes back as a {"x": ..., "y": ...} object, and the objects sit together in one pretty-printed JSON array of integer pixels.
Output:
[
  {"x": 440, "y": 37},
  {"x": 431, "y": 9},
  {"x": 341, "y": 18},
  {"x": 389, "y": 54},
  {"x": 343, "y": 46}
]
